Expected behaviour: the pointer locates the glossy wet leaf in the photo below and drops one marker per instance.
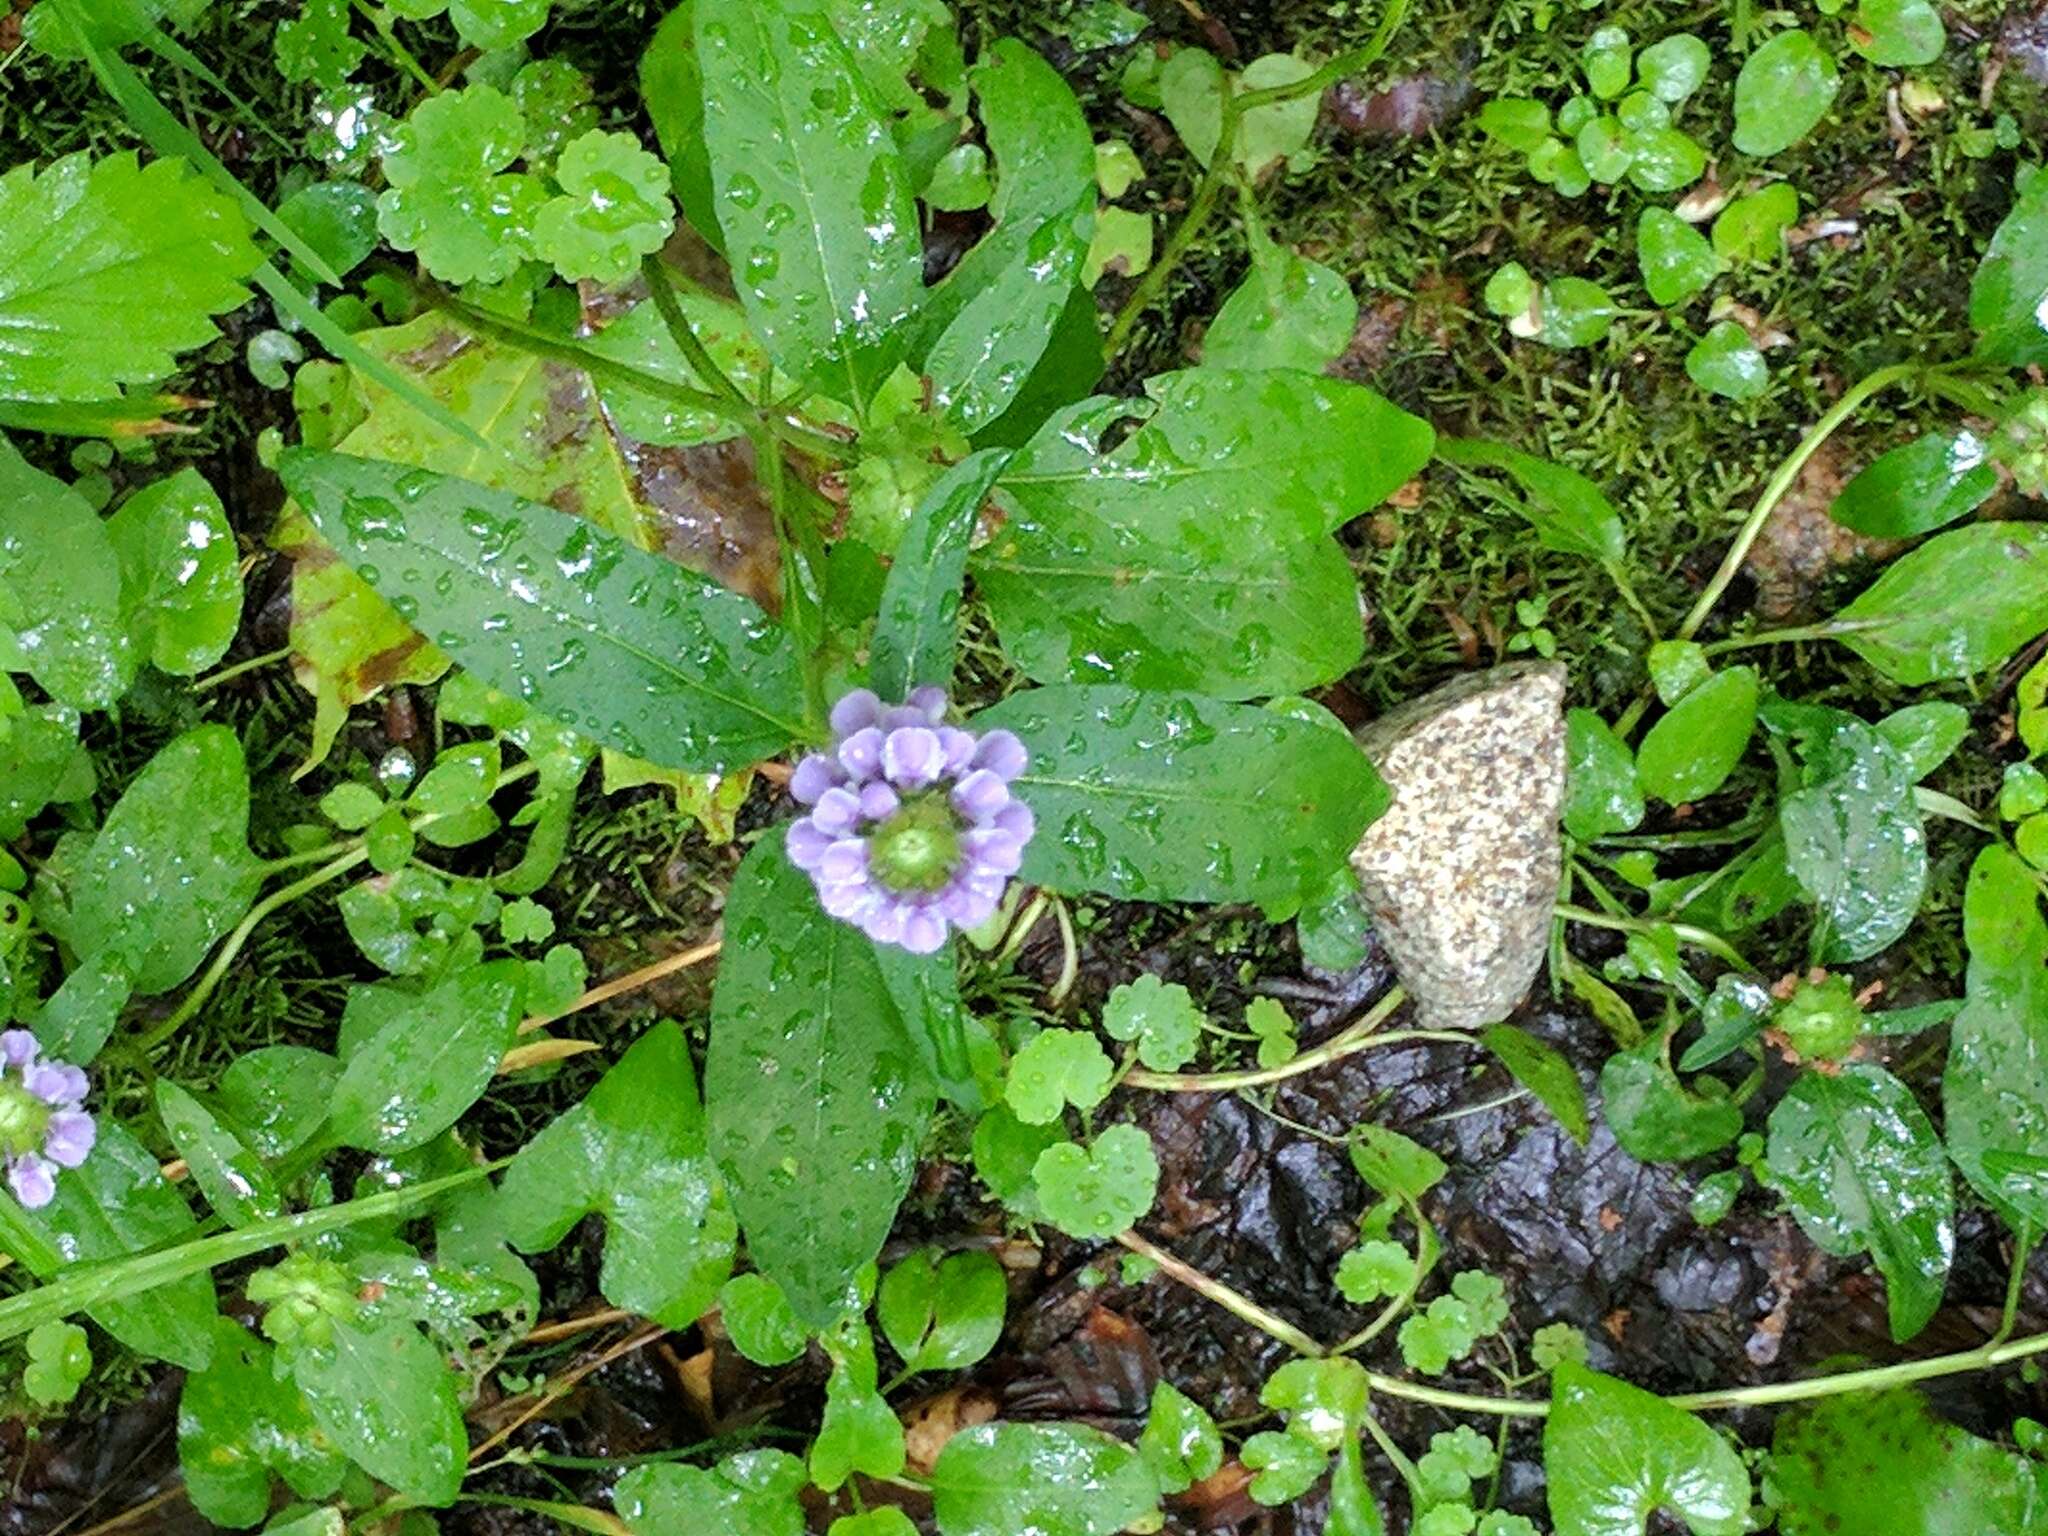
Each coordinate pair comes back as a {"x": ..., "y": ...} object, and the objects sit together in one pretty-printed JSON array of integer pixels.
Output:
[
  {"x": 635, "y": 1152},
  {"x": 1376, "y": 1268},
  {"x": 1728, "y": 363},
  {"x": 1284, "y": 1466},
  {"x": 1735, "y": 1013},
  {"x": 816, "y": 1097},
  {"x": 1654, "y": 1117},
  {"x": 237, "y": 1186},
  {"x": 1161, "y": 1017},
  {"x": 1613, "y": 1454},
  {"x": 2009, "y": 293},
  {"x": 612, "y": 210},
  {"x": 1853, "y": 835},
  {"x": 1690, "y": 752},
  {"x": 1190, "y": 555},
  {"x": 1574, "y": 312},
  {"x": 1752, "y": 228},
  {"x": 170, "y": 871},
  {"x": 1960, "y": 604},
  {"x": 1601, "y": 794},
  {"x": 277, "y": 1096},
  {"x": 1055, "y": 1068},
  {"x": 76, "y": 1019},
  {"x": 1173, "y": 797},
  {"x": 1180, "y": 1441},
  {"x": 61, "y": 618},
  {"x": 1516, "y": 121},
  {"x": 630, "y": 649},
  {"x": 941, "y": 1314},
  {"x": 115, "y": 1204},
  {"x": 917, "y": 628},
  {"x": 811, "y": 196},
  {"x": 1782, "y": 93},
  {"x": 1677, "y": 261},
  {"x": 991, "y": 320},
  {"x": 384, "y": 1395},
  {"x": 1995, "y": 1086},
  {"x": 108, "y": 270},
  {"x": 1862, "y": 1169},
  {"x": 1353, "y": 1511},
  {"x": 1101, "y": 1189},
  {"x": 751, "y": 1493},
  {"x": 858, "y": 1433},
  {"x": 238, "y": 1423},
  {"x": 451, "y": 198},
  {"x": 433, "y": 1056},
  {"x": 1674, "y": 67},
  {"x": 1543, "y": 1070},
  {"x": 1289, "y": 312},
  {"x": 1932, "y": 1478},
  {"x": 1918, "y": 487},
  {"x": 1394, "y": 1165},
  {"x": 1053, "y": 1479},
  {"x": 41, "y": 764},
  {"x": 758, "y": 1320},
  {"x": 181, "y": 586},
  {"x": 1569, "y": 512},
  {"x": 1896, "y": 33},
  {"x": 1323, "y": 1400}
]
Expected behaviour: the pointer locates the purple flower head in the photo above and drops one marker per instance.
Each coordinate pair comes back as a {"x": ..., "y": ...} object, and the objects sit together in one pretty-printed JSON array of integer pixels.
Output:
[
  {"x": 42, "y": 1128},
  {"x": 912, "y": 827}
]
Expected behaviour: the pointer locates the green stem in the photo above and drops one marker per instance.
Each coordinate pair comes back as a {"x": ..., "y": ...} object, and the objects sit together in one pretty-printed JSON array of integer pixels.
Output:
[
  {"x": 380, "y": 18},
  {"x": 1215, "y": 1290},
  {"x": 1699, "y": 938},
  {"x": 86, "y": 1286},
  {"x": 684, "y": 335},
  {"x": 225, "y": 955},
  {"x": 213, "y": 680},
  {"x": 1359, "y": 1037}
]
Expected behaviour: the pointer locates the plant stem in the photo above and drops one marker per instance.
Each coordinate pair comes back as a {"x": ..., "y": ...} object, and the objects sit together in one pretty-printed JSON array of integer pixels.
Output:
[
  {"x": 241, "y": 668},
  {"x": 225, "y": 955},
  {"x": 680, "y": 331},
  {"x": 1699, "y": 938},
  {"x": 1224, "y": 1297},
  {"x": 667, "y": 965},
  {"x": 1358, "y": 1037},
  {"x": 380, "y": 18}
]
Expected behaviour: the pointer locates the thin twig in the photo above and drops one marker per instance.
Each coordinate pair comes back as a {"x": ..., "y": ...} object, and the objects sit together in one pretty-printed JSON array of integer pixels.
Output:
[
  {"x": 559, "y": 1387},
  {"x": 1224, "y": 1297},
  {"x": 632, "y": 981}
]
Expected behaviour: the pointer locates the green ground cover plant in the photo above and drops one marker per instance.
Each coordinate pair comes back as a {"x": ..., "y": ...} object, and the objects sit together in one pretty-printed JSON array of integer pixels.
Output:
[{"x": 1045, "y": 527}]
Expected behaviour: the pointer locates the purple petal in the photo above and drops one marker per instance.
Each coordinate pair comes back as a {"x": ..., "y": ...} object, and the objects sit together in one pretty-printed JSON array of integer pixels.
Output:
[
  {"x": 1017, "y": 820},
  {"x": 837, "y": 811},
  {"x": 814, "y": 775},
  {"x": 878, "y": 801},
  {"x": 850, "y": 900},
  {"x": 69, "y": 1137},
  {"x": 17, "y": 1048},
  {"x": 807, "y": 844},
  {"x": 862, "y": 752},
  {"x": 924, "y": 930},
  {"x": 911, "y": 756},
  {"x": 967, "y": 905},
  {"x": 854, "y": 712},
  {"x": 55, "y": 1082},
  {"x": 994, "y": 850},
  {"x": 929, "y": 701},
  {"x": 885, "y": 923},
  {"x": 846, "y": 860},
  {"x": 958, "y": 745},
  {"x": 980, "y": 795},
  {"x": 1003, "y": 753},
  {"x": 31, "y": 1180}
]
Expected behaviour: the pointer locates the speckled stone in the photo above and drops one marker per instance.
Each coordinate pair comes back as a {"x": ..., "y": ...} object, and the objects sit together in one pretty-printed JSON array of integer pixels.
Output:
[{"x": 1461, "y": 874}]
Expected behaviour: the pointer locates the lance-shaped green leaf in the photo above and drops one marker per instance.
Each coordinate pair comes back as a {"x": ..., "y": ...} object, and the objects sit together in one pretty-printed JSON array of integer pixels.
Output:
[
  {"x": 433, "y": 1056},
  {"x": 1058, "y": 1479},
  {"x": 624, "y": 646},
  {"x": 60, "y": 589},
  {"x": 1861, "y": 1167},
  {"x": 1919, "y": 486},
  {"x": 76, "y": 1019},
  {"x": 385, "y": 1395},
  {"x": 811, "y": 195},
  {"x": 2009, "y": 294},
  {"x": 817, "y": 1099},
  {"x": 1614, "y": 1454},
  {"x": 230, "y": 1175},
  {"x": 635, "y": 1151},
  {"x": 673, "y": 88},
  {"x": 108, "y": 270},
  {"x": 238, "y": 1422},
  {"x": 917, "y": 628},
  {"x": 1994, "y": 1089},
  {"x": 115, "y": 1204},
  {"x": 1570, "y": 513},
  {"x": 995, "y": 313},
  {"x": 1541, "y": 1068},
  {"x": 1174, "y": 797},
  {"x": 1960, "y": 604},
  {"x": 170, "y": 870}
]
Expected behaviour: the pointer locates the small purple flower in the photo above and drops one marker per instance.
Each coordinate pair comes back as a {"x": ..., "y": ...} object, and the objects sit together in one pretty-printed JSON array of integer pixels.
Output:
[
  {"x": 912, "y": 827},
  {"x": 42, "y": 1128}
]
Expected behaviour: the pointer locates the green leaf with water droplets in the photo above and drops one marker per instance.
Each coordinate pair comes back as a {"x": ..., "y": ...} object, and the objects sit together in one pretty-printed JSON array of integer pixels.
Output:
[
  {"x": 1160, "y": 1016},
  {"x": 1175, "y": 797},
  {"x": 1726, "y": 362},
  {"x": 1569, "y": 513},
  {"x": 811, "y": 195},
  {"x": 450, "y": 198},
  {"x": 917, "y": 628},
  {"x": 1690, "y": 752},
  {"x": 432, "y": 1058},
  {"x": 108, "y": 270},
  {"x": 1918, "y": 487},
  {"x": 1784, "y": 90},
  {"x": 941, "y": 1314},
  {"x": 1960, "y": 604},
  {"x": 60, "y": 590},
  {"x": 1862, "y": 1169},
  {"x": 1615, "y": 1454},
  {"x": 386, "y": 1396},
  {"x": 238, "y": 1423},
  {"x": 612, "y": 210},
  {"x": 1994, "y": 1090},
  {"x": 817, "y": 1098},
  {"x": 1180, "y": 1442},
  {"x": 1101, "y": 1189},
  {"x": 752, "y": 1493},
  {"x": 1193, "y": 554},
  {"x": 181, "y": 583},
  {"x": 1541, "y": 1068},
  {"x": 1677, "y": 261},
  {"x": 1895, "y": 33},
  {"x": 231, "y": 1176},
  {"x": 634, "y": 1150},
  {"x": 627, "y": 647},
  {"x": 2009, "y": 294},
  {"x": 1053, "y": 1479},
  {"x": 1289, "y": 312}
]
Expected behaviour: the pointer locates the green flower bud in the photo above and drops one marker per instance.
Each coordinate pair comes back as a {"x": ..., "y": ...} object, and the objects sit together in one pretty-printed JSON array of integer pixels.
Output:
[{"x": 1822, "y": 1019}]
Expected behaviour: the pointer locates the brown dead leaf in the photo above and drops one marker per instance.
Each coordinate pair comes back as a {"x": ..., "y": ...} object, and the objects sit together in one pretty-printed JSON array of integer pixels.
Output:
[{"x": 929, "y": 1423}]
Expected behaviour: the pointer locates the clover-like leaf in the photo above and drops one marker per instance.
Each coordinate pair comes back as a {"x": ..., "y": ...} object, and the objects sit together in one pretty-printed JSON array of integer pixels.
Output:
[
  {"x": 1055, "y": 1068},
  {"x": 451, "y": 199},
  {"x": 1099, "y": 1190},
  {"x": 1180, "y": 1441},
  {"x": 942, "y": 1314},
  {"x": 1375, "y": 1268},
  {"x": 1160, "y": 1016},
  {"x": 315, "y": 46},
  {"x": 1285, "y": 1466},
  {"x": 613, "y": 209},
  {"x": 1324, "y": 1400}
]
